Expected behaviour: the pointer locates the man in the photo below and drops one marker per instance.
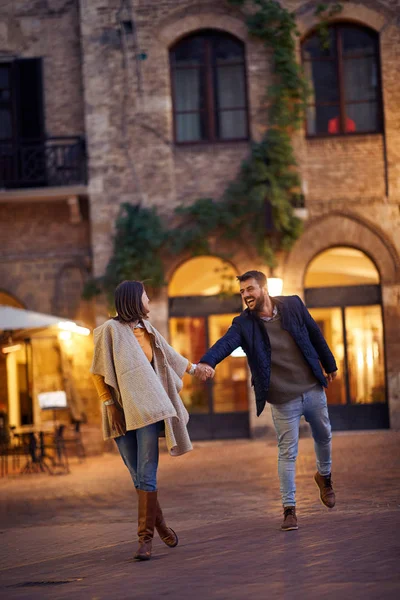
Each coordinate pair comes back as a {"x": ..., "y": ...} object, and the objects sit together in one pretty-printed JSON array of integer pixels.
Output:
[{"x": 285, "y": 350}]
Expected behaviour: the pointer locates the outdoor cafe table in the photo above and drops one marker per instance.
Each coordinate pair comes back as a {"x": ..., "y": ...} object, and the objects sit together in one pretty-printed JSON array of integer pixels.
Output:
[{"x": 38, "y": 460}]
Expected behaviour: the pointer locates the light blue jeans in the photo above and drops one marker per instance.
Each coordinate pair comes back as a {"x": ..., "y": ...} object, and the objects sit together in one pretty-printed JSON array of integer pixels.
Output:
[
  {"x": 139, "y": 451},
  {"x": 313, "y": 406}
]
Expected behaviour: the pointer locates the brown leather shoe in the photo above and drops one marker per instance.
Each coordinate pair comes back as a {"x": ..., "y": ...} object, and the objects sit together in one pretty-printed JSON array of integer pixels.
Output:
[
  {"x": 146, "y": 522},
  {"x": 326, "y": 493},
  {"x": 167, "y": 535},
  {"x": 289, "y": 518}
]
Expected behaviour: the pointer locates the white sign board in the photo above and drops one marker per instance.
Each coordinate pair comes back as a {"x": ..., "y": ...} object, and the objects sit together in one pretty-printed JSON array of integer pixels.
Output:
[{"x": 56, "y": 399}]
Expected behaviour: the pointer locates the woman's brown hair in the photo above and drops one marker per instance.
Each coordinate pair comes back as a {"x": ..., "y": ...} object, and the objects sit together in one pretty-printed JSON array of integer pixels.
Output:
[{"x": 128, "y": 301}]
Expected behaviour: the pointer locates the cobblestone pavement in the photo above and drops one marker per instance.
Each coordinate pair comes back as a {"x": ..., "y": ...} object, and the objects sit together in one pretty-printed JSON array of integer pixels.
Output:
[{"x": 72, "y": 536}]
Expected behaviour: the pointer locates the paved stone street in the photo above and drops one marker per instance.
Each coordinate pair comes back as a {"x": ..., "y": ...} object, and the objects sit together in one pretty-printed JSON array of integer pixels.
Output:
[{"x": 73, "y": 536}]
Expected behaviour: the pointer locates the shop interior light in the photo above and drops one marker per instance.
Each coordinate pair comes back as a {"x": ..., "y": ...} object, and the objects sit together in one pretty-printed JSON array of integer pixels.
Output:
[
  {"x": 64, "y": 335},
  {"x": 238, "y": 353},
  {"x": 73, "y": 327},
  {"x": 14, "y": 348},
  {"x": 275, "y": 286}
]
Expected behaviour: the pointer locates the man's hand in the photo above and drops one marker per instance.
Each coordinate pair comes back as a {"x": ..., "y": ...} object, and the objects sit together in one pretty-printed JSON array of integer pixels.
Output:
[
  {"x": 204, "y": 372},
  {"x": 116, "y": 419},
  {"x": 331, "y": 376}
]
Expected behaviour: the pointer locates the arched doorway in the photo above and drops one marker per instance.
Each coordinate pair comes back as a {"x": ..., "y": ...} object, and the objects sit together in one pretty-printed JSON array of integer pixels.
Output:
[
  {"x": 201, "y": 308},
  {"x": 343, "y": 294}
]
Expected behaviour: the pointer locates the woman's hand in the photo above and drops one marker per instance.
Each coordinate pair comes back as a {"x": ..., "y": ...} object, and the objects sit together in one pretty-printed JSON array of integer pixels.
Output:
[
  {"x": 116, "y": 419},
  {"x": 204, "y": 372}
]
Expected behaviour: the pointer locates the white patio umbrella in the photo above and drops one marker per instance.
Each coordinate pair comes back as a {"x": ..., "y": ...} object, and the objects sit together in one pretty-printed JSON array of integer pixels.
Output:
[{"x": 18, "y": 318}]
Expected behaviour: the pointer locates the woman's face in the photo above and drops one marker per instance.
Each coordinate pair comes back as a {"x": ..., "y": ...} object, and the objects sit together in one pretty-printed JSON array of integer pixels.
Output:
[{"x": 145, "y": 301}]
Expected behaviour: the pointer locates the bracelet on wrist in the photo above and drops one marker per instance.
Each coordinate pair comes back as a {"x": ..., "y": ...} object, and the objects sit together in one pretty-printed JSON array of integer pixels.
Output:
[
  {"x": 109, "y": 402},
  {"x": 192, "y": 369}
]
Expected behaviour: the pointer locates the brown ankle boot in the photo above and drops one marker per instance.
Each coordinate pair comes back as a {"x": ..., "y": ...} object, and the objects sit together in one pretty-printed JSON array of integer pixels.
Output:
[
  {"x": 289, "y": 518},
  {"x": 326, "y": 493},
  {"x": 146, "y": 522},
  {"x": 167, "y": 535}
]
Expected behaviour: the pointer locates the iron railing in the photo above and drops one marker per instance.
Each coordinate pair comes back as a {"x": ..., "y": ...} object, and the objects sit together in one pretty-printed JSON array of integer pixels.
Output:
[{"x": 50, "y": 162}]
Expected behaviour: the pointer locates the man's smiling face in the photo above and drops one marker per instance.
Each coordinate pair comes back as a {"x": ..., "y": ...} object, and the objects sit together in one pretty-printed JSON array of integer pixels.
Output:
[{"x": 253, "y": 294}]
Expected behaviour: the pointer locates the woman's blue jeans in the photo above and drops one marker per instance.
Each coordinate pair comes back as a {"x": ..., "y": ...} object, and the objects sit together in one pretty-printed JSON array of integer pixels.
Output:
[
  {"x": 313, "y": 406},
  {"x": 139, "y": 451}
]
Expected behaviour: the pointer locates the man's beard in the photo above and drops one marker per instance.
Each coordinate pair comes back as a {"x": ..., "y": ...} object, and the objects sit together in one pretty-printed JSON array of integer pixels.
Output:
[{"x": 258, "y": 304}]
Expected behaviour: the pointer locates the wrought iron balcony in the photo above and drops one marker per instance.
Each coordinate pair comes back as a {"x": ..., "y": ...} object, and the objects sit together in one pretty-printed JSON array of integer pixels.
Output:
[{"x": 51, "y": 162}]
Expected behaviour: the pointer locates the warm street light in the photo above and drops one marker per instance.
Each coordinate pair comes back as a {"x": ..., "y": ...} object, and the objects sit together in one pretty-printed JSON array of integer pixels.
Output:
[
  {"x": 73, "y": 327},
  {"x": 275, "y": 286}
]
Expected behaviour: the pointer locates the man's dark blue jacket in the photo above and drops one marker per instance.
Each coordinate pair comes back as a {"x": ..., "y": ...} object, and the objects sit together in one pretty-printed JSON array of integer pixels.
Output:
[{"x": 248, "y": 331}]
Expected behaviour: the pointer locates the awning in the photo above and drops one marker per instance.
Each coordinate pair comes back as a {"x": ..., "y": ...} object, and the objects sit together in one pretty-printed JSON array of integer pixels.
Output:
[{"x": 17, "y": 318}]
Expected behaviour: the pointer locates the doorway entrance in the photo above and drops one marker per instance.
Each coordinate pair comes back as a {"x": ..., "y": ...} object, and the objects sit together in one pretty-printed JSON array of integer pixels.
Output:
[
  {"x": 218, "y": 408},
  {"x": 343, "y": 295}
]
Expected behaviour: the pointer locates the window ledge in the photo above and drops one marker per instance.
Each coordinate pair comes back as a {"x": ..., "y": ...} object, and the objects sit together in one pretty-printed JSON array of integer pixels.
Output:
[
  {"x": 47, "y": 194},
  {"x": 209, "y": 146},
  {"x": 343, "y": 136}
]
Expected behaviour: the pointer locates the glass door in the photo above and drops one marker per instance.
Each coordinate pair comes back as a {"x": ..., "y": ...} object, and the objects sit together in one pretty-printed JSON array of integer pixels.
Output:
[
  {"x": 330, "y": 321},
  {"x": 218, "y": 408},
  {"x": 357, "y": 397},
  {"x": 365, "y": 356}
]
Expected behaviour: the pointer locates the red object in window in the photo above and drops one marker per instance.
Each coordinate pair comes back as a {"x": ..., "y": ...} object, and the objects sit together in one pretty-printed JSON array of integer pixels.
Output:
[{"x": 333, "y": 125}]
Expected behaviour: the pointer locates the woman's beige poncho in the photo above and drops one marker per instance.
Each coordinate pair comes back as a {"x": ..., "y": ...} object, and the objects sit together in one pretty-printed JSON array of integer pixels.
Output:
[{"x": 146, "y": 395}]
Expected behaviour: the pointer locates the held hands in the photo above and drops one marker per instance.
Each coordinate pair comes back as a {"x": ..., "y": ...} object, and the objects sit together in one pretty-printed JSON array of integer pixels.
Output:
[
  {"x": 116, "y": 419},
  {"x": 204, "y": 372}
]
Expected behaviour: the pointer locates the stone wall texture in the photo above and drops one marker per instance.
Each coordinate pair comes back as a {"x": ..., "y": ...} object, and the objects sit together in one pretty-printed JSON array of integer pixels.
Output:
[{"x": 95, "y": 85}]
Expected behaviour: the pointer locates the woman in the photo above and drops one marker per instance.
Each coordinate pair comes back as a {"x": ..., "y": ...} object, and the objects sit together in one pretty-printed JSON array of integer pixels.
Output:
[{"x": 138, "y": 376}]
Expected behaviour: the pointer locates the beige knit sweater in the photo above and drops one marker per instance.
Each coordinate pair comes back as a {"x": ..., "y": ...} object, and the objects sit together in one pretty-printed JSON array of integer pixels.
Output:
[{"x": 146, "y": 395}]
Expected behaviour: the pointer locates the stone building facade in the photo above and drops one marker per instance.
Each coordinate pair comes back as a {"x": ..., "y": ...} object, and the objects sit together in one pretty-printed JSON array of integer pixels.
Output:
[{"x": 107, "y": 77}]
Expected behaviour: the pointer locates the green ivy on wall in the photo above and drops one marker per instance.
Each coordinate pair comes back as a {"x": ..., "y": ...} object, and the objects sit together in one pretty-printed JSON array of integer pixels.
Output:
[
  {"x": 138, "y": 242},
  {"x": 268, "y": 179},
  {"x": 324, "y": 12}
]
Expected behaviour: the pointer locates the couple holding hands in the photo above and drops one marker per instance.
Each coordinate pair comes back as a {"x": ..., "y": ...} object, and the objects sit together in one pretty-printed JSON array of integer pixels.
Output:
[{"x": 138, "y": 377}]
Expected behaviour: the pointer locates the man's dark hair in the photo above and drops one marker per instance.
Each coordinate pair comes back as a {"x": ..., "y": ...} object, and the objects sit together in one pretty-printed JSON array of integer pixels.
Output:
[
  {"x": 257, "y": 275},
  {"x": 128, "y": 302}
]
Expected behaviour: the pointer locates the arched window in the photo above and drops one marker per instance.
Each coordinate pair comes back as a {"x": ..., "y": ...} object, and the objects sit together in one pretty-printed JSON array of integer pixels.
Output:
[
  {"x": 203, "y": 300},
  {"x": 343, "y": 294},
  {"x": 344, "y": 77},
  {"x": 209, "y": 88}
]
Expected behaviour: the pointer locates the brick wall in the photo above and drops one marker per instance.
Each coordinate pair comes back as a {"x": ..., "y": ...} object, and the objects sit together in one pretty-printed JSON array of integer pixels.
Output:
[
  {"x": 31, "y": 29},
  {"x": 355, "y": 171}
]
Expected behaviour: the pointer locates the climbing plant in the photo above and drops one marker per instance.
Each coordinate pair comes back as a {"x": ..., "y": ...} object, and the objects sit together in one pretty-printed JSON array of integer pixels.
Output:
[
  {"x": 139, "y": 238},
  {"x": 269, "y": 174},
  {"x": 324, "y": 12},
  {"x": 268, "y": 180}
]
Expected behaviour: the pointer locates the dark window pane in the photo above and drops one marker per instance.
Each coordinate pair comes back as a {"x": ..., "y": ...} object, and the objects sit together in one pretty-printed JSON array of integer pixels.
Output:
[
  {"x": 190, "y": 127},
  {"x": 232, "y": 124},
  {"x": 323, "y": 81},
  {"x": 360, "y": 79},
  {"x": 314, "y": 47},
  {"x": 230, "y": 87},
  {"x": 358, "y": 41},
  {"x": 323, "y": 119},
  {"x": 208, "y": 75},
  {"x": 4, "y": 95},
  {"x": 30, "y": 117},
  {"x": 5, "y": 124},
  {"x": 189, "y": 89},
  {"x": 227, "y": 50},
  {"x": 189, "y": 52},
  {"x": 4, "y": 77},
  {"x": 364, "y": 116}
]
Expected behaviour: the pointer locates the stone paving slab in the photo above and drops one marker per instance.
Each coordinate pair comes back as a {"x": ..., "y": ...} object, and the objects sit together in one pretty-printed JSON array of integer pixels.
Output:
[{"x": 72, "y": 536}]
